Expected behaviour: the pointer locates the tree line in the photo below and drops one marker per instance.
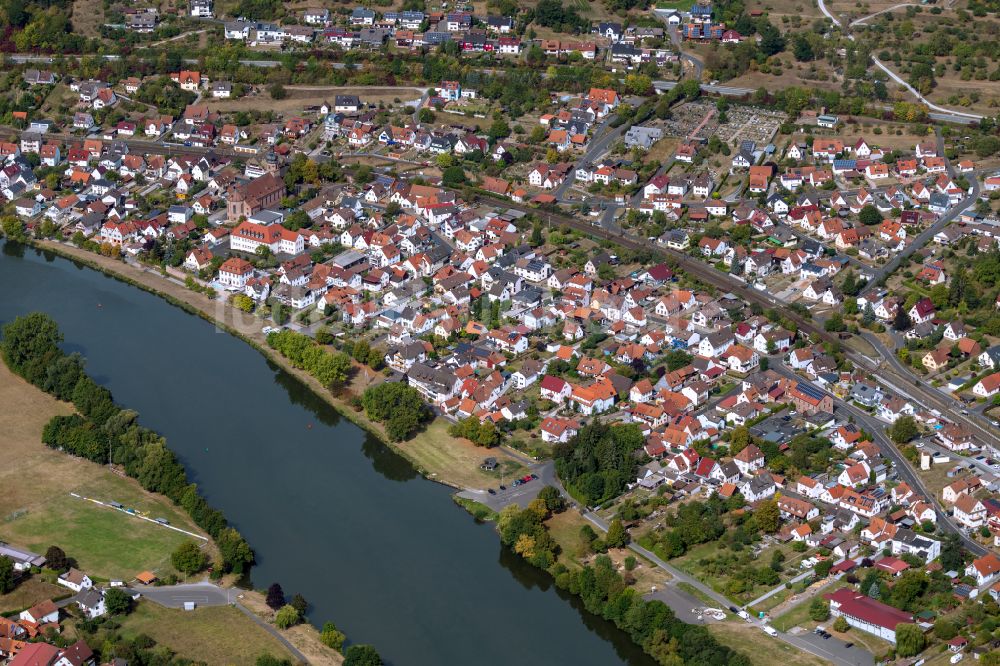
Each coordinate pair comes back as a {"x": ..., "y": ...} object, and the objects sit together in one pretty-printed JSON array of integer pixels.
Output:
[
  {"x": 650, "y": 624},
  {"x": 103, "y": 432},
  {"x": 331, "y": 368}
]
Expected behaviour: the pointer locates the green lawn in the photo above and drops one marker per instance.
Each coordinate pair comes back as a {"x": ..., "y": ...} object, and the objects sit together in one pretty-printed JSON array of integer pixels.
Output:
[
  {"x": 797, "y": 616},
  {"x": 105, "y": 542},
  {"x": 219, "y": 635}
]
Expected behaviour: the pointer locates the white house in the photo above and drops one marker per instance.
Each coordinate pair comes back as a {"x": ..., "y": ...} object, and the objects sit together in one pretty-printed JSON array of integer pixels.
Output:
[{"x": 75, "y": 580}]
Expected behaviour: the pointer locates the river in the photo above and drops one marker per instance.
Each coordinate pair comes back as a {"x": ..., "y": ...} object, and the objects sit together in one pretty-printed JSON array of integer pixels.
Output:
[{"x": 330, "y": 511}]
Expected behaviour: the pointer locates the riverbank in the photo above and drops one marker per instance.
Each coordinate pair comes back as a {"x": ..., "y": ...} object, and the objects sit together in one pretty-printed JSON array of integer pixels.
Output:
[{"x": 433, "y": 452}]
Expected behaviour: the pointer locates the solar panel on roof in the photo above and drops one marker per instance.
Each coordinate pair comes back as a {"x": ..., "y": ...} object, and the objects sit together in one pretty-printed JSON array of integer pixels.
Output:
[{"x": 810, "y": 390}]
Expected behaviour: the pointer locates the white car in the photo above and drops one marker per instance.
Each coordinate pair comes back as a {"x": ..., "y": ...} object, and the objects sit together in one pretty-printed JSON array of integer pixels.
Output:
[{"x": 769, "y": 630}]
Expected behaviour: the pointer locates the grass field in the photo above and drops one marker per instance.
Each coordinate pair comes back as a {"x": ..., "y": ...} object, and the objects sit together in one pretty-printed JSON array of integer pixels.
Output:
[
  {"x": 565, "y": 529},
  {"x": 761, "y": 648},
  {"x": 797, "y": 616},
  {"x": 456, "y": 460},
  {"x": 37, "y": 511},
  {"x": 218, "y": 635},
  {"x": 29, "y": 593}
]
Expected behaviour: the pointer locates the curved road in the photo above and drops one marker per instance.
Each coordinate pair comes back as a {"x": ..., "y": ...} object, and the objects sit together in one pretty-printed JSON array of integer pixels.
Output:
[
  {"x": 895, "y": 77},
  {"x": 675, "y": 36}
]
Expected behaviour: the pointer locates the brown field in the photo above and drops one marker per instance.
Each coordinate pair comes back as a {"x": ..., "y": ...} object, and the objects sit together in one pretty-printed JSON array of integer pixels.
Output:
[
  {"x": 792, "y": 74},
  {"x": 300, "y": 97},
  {"x": 761, "y": 648},
  {"x": 855, "y": 9},
  {"x": 952, "y": 92},
  {"x": 217, "y": 635},
  {"x": 37, "y": 510},
  {"x": 776, "y": 9},
  {"x": 887, "y": 140},
  {"x": 88, "y": 15},
  {"x": 662, "y": 151},
  {"x": 28, "y": 593}
]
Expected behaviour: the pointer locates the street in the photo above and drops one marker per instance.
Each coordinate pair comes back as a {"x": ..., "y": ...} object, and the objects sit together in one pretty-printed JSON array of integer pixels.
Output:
[{"x": 890, "y": 451}]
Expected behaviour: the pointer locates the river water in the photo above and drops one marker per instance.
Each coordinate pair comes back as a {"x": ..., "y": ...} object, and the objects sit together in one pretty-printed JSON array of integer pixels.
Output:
[{"x": 330, "y": 511}]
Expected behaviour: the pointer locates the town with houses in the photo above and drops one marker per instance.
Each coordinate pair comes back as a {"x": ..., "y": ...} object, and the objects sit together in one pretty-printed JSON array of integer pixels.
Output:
[{"x": 798, "y": 313}]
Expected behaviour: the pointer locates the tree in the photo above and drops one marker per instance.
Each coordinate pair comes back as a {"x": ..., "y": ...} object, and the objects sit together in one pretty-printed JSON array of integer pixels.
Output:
[
  {"x": 332, "y": 637},
  {"x": 453, "y": 175},
  {"x": 399, "y": 406},
  {"x": 55, "y": 559},
  {"x": 277, "y": 91},
  {"x": 29, "y": 344},
  {"x": 869, "y": 215},
  {"x": 536, "y": 234},
  {"x": 902, "y": 321},
  {"x": 300, "y": 604},
  {"x": 822, "y": 569},
  {"x": 275, "y": 596},
  {"x": 6, "y": 574},
  {"x": 802, "y": 49},
  {"x": 739, "y": 439},
  {"x": 499, "y": 129},
  {"x": 426, "y": 115},
  {"x": 772, "y": 41},
  {"x": 903, "y": 430},
  {"x": 819, "y": 609},
  {"x": 13, "y": 228},
  {"x": 243, "y": 302},
  {"x": 117, "y": 601},
  {"x": 945, "y": 630},
  {"x": 909, "y": 640},
  {"x": 287, "y": 616},
  {"x": 840, "y": 625},
  {"x": 617, "y": 537},
  {"x": 554, "y": 501},
  {"x": 835, "y": 323},
  {"x": 362, "y": 655},
  {"x": 767, "y": 516},
  {"x": 952, "y": 556},
  {"x": 189, "y": 558}
]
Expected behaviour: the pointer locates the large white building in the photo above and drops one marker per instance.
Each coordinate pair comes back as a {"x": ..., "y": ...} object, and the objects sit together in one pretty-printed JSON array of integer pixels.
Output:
[
  {"x": 235, "y": 272},
  {"x": 248, "y": 236}
]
